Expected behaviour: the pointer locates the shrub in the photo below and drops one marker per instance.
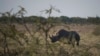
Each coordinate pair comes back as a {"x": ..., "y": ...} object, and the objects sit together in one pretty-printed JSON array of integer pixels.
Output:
[{"x": 97, "y": 31}]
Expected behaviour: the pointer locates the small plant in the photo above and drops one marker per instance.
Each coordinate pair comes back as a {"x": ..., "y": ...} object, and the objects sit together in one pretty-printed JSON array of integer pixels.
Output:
[{"x": 97, "y": 31}]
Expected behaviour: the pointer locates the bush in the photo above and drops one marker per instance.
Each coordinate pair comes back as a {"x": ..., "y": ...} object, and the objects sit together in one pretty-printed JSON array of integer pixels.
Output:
[{"x": 97, "y": 31}]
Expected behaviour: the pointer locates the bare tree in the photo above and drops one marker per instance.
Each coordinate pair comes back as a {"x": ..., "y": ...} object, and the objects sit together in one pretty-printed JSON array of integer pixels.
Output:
[{"x": 48, "y": 25}]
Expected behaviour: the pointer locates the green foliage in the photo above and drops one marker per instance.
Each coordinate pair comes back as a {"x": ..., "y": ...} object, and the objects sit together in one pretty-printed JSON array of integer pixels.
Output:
[
  {"x": 94, "y": 20},
  {"x": 61, "y": 19},
  {"x": 64, "y": 19}
]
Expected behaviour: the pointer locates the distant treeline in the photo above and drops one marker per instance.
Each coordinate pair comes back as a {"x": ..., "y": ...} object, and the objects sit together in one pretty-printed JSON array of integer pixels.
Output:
[{"x": 61, "y": 19}]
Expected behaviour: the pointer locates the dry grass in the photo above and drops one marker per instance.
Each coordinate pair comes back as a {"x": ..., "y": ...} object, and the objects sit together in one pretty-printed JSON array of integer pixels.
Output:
[{"x": 89, "y": 43}]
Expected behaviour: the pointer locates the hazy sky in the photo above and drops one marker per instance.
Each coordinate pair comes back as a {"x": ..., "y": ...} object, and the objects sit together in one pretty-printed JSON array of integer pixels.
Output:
[{"x": 70, "y": 8}]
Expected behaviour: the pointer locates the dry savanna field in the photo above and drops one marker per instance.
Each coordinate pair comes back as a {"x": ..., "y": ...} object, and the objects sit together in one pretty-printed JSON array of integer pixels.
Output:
[{"x": 89, "y": 43}]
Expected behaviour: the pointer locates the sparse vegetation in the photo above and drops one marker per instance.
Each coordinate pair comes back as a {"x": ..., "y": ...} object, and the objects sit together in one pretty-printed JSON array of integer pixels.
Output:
[{"x": 29, "y": 36}]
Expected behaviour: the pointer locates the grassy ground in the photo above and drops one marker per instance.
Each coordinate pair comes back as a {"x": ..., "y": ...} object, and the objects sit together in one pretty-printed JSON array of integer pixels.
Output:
[{"x": 89, "y": 43}]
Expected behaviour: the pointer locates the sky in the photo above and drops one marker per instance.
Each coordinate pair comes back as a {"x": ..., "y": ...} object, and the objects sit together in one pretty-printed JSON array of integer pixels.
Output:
[{"x": 70, "y": 8}]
